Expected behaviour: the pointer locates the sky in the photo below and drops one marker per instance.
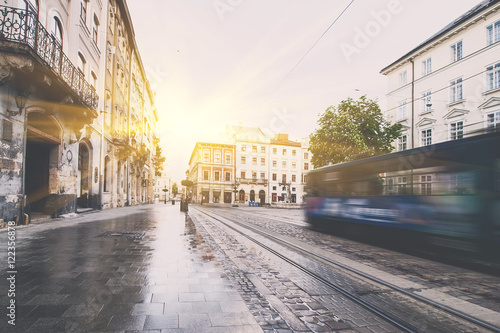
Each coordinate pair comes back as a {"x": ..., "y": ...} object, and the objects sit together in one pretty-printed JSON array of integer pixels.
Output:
[{"x": 272, "y": 64}]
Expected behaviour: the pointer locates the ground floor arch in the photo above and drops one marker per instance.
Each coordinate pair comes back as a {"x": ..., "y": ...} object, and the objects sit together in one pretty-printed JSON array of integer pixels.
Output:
[
  {"x": 43, "y": 144},
  {"x": 262, "y": 197}
]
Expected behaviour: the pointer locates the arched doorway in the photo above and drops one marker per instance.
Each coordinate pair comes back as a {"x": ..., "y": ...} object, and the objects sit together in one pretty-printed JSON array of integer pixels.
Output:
[
  {"x": 252, "y": 195},
  {"x": 84, "y": 174},
  {"x": 262, "y": 197},
  {"x": 43, "y": 143},
  {"x": 241, "y": 197}
]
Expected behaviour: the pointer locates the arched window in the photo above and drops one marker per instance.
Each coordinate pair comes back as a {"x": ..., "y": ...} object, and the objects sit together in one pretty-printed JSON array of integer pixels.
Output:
[
  {"x": 57, "y": 30},
  {"x": 94, "y": 79},
  {"x": 81, "y": 63}
]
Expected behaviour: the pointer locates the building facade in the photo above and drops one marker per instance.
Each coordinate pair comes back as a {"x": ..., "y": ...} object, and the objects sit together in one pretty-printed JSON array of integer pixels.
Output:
[
  {"x": 66, "y": 73},
  {"x": 212, "y": 171},
  {"x": 448, "y": 87},
  {"x": 265, "y": 169}
]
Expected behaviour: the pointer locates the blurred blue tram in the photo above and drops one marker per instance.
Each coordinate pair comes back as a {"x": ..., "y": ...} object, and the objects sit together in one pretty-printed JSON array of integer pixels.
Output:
[{"x": 448, "y": 192}]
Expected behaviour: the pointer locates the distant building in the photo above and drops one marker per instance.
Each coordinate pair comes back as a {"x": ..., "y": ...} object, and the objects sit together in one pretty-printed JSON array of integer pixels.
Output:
[
  {"x": 260, "y": 168},
  {"x": 212, "y": 171},
  {"x": 162, "y": 188},
  {"x": 448, "y": 87}
]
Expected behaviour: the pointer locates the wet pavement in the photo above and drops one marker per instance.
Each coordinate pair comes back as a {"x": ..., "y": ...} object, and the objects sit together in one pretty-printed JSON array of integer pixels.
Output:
[{"x": 134, "y": 269}]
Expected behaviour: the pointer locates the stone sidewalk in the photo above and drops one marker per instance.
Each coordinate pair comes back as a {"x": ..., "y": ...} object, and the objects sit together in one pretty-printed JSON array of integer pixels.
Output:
[{"x": 133, "y": 269}]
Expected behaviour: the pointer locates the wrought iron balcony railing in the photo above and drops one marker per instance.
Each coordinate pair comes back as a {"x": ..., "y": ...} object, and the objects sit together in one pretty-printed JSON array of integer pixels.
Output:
[
  {"x": 22, "y": 26},
  {"x": 256, "y": 181}
]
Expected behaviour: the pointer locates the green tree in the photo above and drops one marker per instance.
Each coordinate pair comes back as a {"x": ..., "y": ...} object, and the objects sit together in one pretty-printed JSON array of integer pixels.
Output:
[
  {"x": 352, "y": 130},
  {"x": 158, "y": 159},
  {"x": 187, "y": 183},
  {"x": 175, "y": 189}
]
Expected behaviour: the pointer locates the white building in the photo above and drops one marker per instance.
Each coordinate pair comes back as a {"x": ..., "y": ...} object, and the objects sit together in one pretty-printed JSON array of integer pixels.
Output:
[
  {"x": 269, "y": 169},
  {"x": 448, "y": 87}
]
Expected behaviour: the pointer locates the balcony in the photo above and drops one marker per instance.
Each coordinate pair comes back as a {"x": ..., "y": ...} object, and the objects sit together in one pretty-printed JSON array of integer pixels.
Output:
[
  {"x": 252, "y": 181},
  {"x": 21, "y": 26}
]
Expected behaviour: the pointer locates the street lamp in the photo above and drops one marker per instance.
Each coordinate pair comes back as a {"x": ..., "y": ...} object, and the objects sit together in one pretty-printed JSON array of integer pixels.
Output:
[
  {"x": 235, "y": 190},
  {"x": 165, "y": 190}
]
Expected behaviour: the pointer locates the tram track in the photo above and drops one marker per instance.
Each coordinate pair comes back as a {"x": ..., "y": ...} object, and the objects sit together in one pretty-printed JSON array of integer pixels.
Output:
[{"x": 388, "y": 316}]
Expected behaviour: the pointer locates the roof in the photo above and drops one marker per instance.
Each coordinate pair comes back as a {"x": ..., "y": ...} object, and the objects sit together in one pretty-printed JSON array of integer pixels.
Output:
[
  {"x": 457, "y": 22},
  {"x": 249, "y": 134}
]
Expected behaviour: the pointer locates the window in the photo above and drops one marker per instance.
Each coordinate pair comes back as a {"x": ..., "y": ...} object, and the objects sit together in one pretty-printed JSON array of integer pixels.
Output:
[
  {"x": 94, "y": 79},
  {"x": 95, "y": 29},
  {"x": 425, "y": 100},
  {"x": 402, "y": 110},
  {"x": 456, "y": 91},
  {"x": 294, "y": 165},
  {"x": 107, "y": 172},
  {"x": 243, "y": 160},
  {"x": 294, "y": 152},
  {"x": 81, "y": 63},
  {"x": 57, "y": 30},
  {"x": 426, "y": 67},
  {"x": 217, "y": 175},
  {"x": 294, "y": 178},
  {"x": 401, "y": 184},
  {"x": 6, "y": 130},
  {"x": 283, "y": 178},
  {"x": 275, "y": 164},
  {"x": 426, "y": 137},
  {"x": 284, "y": 152},
  {"x": 403, "y": 79},
  {"x": 262, "y": 149},
  {"x": 228, "y": 158},
  {"x": 456, "y": 51},
  {"x": 243, "y": 175},
  {"x": 426, "y": 185},
  {"x": 263, "y": 175},
  {"x": 304, "y": 179},
  {"x": 206, "y": 156},
  {"x": 217, "y": 157},
  {"x": 306, "y": 156},
  {"x": 283, "y": 164},
  {"x": 275, "y": 151},
  {"x": 83, "y": 10},
  {"x": 262, "y": 161},
  {"x": 254, "y": 160},
  {"x": 254, "y": 149},
  {"x": 457, "y": 130},
  {"x": 403, "y": 142},
  {"x": 274, "y": 188},
  {"x": 228, "y": 176},
  {"x": 493, "y": 120},
  {"x": 243, "y": 147},
  {"x": 111, "y": 51},
  {"x": 205, "y": 174},
  {"x": 493, "y": 33},
  {"x": 254, "y": 175},
  {"x": 306, "y": 166},
  {"x": 493, "y": 76},
  {"x": 275, "y": 176}
]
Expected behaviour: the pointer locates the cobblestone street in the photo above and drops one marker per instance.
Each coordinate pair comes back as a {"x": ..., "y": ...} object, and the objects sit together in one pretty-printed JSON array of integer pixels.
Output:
[{"x": 153, "y": 268}]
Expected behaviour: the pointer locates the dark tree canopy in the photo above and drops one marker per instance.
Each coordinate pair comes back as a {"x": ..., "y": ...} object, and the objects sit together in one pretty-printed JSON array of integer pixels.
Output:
[
  {"x": 352, "y": 130},
  {"x": 186, "y": 182}
]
